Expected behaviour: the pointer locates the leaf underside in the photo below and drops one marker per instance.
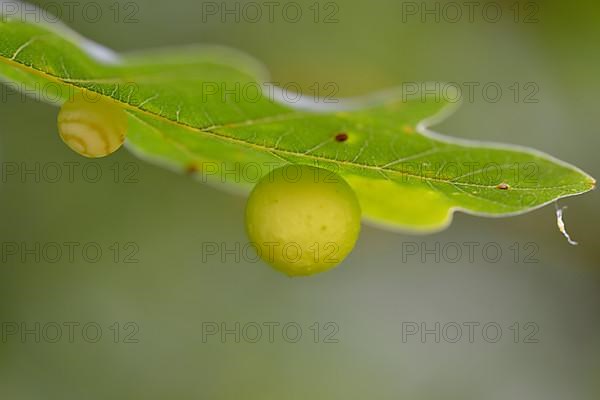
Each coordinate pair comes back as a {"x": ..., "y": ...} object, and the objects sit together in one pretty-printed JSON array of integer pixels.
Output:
[{"x": 405, "y": 176}]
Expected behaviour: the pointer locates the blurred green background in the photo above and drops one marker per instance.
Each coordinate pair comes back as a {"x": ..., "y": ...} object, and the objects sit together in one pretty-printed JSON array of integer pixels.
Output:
[{"x": 171, "y": 294}]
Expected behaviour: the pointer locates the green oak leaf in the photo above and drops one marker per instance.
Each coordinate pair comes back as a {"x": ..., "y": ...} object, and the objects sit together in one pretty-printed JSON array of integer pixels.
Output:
[{"x": 187, "y": 111}]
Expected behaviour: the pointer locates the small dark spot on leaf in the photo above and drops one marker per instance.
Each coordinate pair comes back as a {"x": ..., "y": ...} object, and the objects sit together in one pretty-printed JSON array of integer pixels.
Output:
[
  {"x": 341, "y": 137},
  {"x": 503, "y": 186},
  {"x": 408, "y": 129},
  {"x": 191, "y": 169}
]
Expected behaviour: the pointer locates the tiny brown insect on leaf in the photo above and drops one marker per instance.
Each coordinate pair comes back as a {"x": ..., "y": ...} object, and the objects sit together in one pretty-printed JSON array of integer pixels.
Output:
[
  {"x": 341, "y": 137},
  {"x": 503, "y": 186}
]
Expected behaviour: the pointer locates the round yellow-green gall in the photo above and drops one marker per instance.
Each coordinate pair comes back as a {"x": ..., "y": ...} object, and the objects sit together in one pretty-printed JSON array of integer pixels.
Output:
[
  {"x": 92, "y": 126},
  {"x": 303, "y": 220}
]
